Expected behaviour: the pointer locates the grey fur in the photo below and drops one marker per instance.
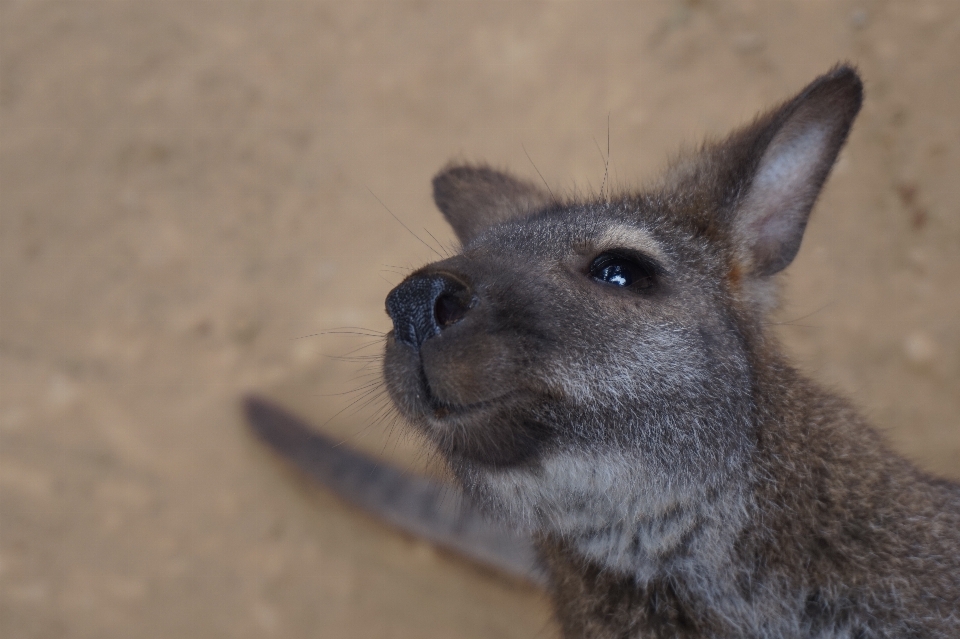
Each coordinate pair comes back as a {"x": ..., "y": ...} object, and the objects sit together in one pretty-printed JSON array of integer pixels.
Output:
[{"x": 681, "y": 478}]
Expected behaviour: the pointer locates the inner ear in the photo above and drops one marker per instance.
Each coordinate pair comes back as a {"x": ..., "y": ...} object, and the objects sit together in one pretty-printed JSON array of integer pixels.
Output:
[
  {"x": 474, "y": 198},
  {"x": 805, "y": 136}
]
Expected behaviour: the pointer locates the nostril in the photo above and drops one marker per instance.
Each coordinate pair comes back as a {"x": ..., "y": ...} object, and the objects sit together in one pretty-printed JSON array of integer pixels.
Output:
[
  {"x": 423, "y": 305},
  {"x": 450, "y": 309}
]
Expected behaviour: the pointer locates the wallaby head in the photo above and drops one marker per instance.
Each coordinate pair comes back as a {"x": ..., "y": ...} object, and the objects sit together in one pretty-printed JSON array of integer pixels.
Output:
[{"x": 589, "y": 367}]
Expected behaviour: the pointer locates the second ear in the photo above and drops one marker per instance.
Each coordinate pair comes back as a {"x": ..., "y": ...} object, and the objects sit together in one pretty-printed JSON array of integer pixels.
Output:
[{"x": 475, "y": 198}]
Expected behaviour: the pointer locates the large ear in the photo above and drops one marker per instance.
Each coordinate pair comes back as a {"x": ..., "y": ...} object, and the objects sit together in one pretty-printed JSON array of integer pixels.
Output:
[
  {"x": 785, "y": 157},
  {"x": 474, "y": 198}
]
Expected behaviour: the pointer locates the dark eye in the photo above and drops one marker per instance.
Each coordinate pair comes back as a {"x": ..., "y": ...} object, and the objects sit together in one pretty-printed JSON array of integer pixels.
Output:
[{"x": 623, "y": 271}]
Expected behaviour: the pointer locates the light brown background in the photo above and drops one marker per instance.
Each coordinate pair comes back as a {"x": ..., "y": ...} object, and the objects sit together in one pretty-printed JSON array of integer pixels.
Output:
[{"x": 188, "y": 186}]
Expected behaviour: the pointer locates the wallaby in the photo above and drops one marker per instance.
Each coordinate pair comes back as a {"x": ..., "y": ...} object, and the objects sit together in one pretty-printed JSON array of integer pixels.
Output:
[{"x": 599, "y": 375}]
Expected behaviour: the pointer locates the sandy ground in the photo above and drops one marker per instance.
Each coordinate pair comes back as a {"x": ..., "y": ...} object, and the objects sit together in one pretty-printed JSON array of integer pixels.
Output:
[{"x": 188, "y": 187}]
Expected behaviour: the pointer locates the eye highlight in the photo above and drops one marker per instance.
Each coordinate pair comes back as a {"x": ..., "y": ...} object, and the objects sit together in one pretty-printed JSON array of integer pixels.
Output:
[{"x": 624, "y": 271}]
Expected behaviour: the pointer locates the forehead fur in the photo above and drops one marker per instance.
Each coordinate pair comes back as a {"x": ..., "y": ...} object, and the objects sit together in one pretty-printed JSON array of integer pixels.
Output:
[
  {"x": 665, "y": 229},
  {"x": 636, "y": 223}
]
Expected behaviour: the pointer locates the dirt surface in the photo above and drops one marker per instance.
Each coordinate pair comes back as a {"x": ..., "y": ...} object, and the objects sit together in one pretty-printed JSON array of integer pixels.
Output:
[{"x": 189, "y": 187}]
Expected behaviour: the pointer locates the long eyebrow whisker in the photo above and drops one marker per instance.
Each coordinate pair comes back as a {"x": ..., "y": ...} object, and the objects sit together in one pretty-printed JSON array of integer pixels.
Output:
[{"x": 420, "y": 239}]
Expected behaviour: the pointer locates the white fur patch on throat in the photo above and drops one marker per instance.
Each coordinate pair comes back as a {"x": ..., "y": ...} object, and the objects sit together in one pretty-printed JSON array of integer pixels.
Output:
[{"x": 614, "y": 512}]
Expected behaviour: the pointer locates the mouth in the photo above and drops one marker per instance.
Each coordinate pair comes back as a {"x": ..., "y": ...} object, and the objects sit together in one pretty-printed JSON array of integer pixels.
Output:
[
  {"x": 495, "y": 431},
  {"x": 442, "y": 411},
  {"x": 411, "y": 388}
]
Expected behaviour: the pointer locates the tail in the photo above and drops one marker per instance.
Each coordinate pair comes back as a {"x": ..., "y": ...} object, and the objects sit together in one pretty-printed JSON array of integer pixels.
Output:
[{"x": 429, "y": 510}]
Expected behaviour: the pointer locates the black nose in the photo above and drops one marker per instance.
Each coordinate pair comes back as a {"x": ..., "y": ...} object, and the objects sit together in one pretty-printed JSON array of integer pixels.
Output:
[{"x": 424, "y": 305}]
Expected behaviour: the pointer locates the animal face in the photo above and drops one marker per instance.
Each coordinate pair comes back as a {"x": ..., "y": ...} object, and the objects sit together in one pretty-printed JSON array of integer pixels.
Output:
[
  {"x": 584, "y": 363},
  {"x": 592, "y": 351}
]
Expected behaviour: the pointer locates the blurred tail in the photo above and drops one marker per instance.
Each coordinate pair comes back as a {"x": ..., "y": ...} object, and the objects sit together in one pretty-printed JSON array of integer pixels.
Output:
[{"x": 436, "y": 512}]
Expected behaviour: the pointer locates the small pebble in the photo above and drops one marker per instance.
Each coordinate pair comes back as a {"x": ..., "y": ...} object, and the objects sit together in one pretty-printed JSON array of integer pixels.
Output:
[
  {"x": 858, "y": 18},
  {"x": 919, "y": 348}
]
